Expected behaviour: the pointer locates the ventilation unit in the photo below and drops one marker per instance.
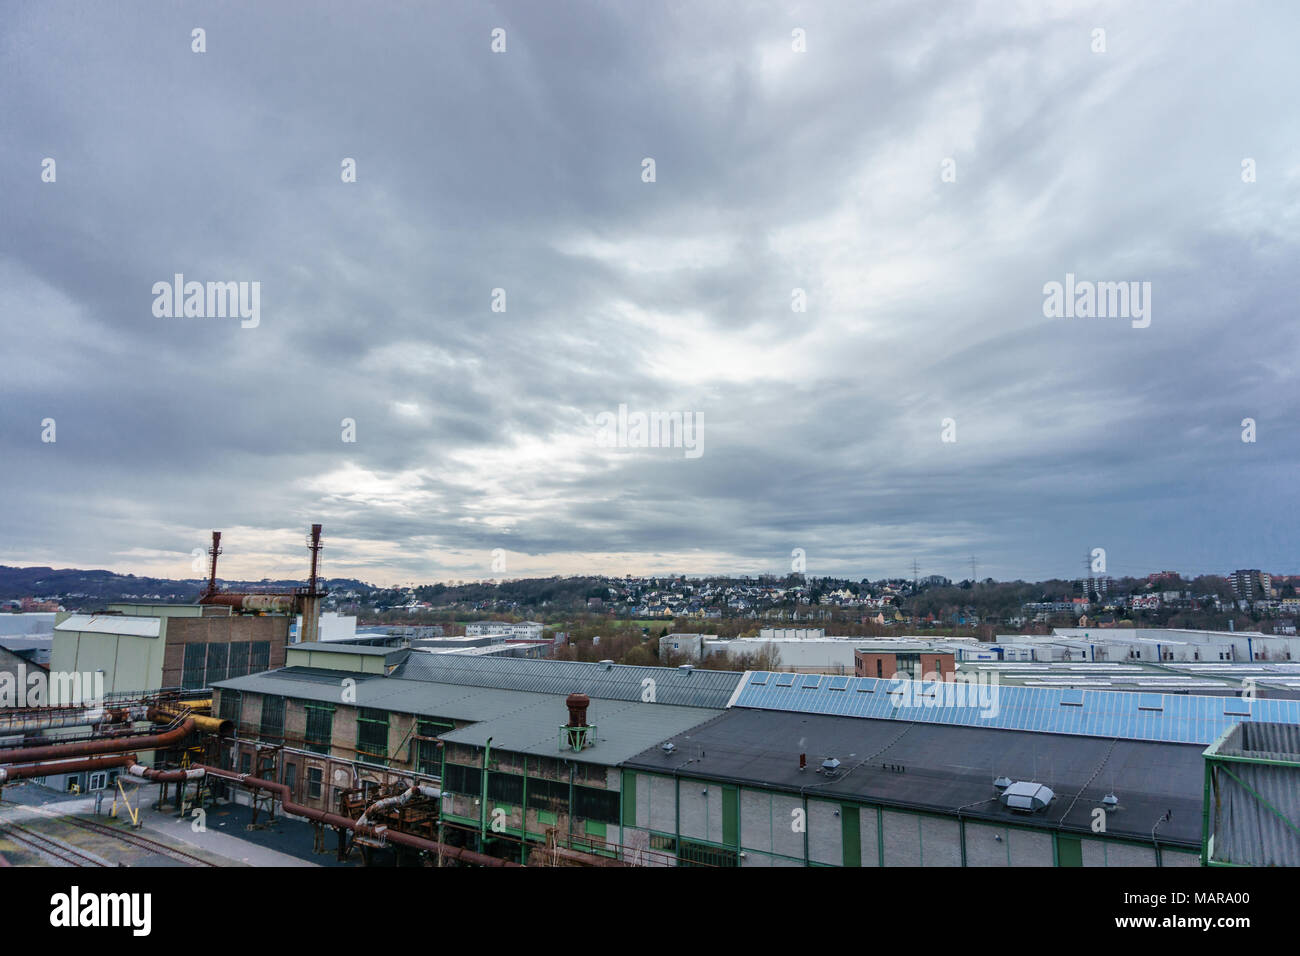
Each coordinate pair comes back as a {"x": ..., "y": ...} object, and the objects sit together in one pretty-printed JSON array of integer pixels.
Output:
[{"x": 1026, "y": 797}]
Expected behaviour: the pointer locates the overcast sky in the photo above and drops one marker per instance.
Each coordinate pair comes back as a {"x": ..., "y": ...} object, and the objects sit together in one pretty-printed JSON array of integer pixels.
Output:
[{"x": 774, "y": 170}]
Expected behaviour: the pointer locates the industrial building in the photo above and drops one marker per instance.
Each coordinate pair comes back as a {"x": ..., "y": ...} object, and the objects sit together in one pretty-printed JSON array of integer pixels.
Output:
[
  {"x": 677, "y": 766},
  {"x": 1252, "y": 797}
]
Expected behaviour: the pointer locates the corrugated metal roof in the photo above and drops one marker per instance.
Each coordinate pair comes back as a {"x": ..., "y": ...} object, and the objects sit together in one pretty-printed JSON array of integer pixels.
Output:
[
  {"x": 111, "y": 624},
  {"x": 1176, "y": 718},
  {"x": 1256, "y": 806},
  {"x": 424, "y": 698},
  {"x": 516, "y": 720},
  {"x": 669, "y": 685}
]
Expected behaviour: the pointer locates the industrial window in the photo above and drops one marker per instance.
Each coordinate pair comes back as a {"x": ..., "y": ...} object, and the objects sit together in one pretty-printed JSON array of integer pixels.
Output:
[
  {"x": 320, "y": 727},
  {"x": 427, "y": 756},
  {"x": 272, "y": 728},
  {"x": 595, "y": 804},
  {"x": 245, "y": 762},
  {"x": 259, "y": 656},
  {"x": 217, "y": 657},
  {"x": 315, "y": 776},
  {"x": 238, "y": 660},
  {"x": 192, "y": 670},
  {"x": 230, "y": 700},
  {"x": 290, "y": 776},
  {"x": 699, "y": 854},
  {"x": 663, "y": 844},
  {"x": 505, "y": 788},
  {"x": 372, "y": 734},
  {"x": 458, "y": 779},
  {"x": 547, "y": 795}
]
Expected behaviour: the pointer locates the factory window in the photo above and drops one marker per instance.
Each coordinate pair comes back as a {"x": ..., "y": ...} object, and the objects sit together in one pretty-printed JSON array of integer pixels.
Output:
[
  {"x": 259, "y": 656},
  {"x": 663, "y": 844},
  {"x": 217, "y": 654},
  {"x": 699, "y": 854},
  {"x": 505, "y": 788},
  {"x": 238, "y": 660},
  {"x": 245, "y": 762},
  {"x": 432, "y": 726},
  {"x": 458, "y": 779},
  {"x": 595, "y": 804},
  {"x": 230, "y": 700},
  {"x": 320, "y": 727},
  {"x": 315, "y": 776},
  {"x": 372, "y": 734},
  {"x": 290, "y": 776},
  {"x": 192, "y": 670},
  {"x": 548, "y": 795},
  {"x": 272, "y": 728},
  {"x": 427, "y": 756}
]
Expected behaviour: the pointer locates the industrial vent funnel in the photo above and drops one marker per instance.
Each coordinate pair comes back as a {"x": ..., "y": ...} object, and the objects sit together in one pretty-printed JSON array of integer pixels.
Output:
[
  {"x": 1026, "y": 797},
  {"x": 577, "y": 734}
]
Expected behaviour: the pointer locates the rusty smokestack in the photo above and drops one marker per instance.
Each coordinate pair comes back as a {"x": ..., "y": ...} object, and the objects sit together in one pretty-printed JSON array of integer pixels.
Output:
[
  {"x": 577, "y": 704},
  {"x": 212, "y": 562},
  {"x": 315, "y": 553}
]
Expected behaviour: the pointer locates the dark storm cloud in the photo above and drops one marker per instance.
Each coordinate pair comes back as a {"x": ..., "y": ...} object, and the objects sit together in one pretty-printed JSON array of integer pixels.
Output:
[{"x": 775, "y": 170}]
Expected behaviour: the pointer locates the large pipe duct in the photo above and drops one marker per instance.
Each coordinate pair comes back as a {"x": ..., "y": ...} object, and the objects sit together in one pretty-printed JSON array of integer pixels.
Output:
[
  {"x": 27, "y": 771},
  {"x": 321, "y": 816},
  {"x": 53, "y": 718},
  {"x": 206, "y": 725},
  {"x": 113, "y": 745},
  {"x": 281, "y": 603}
]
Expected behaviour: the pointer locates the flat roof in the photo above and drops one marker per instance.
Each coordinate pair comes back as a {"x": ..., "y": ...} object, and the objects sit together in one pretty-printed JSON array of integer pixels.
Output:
[
  {"x": 943, "y": 768},
  {"x": 338, "y": 647},
  {"x": 623, "y": 728},
  {"x": 111, "y": 624}
]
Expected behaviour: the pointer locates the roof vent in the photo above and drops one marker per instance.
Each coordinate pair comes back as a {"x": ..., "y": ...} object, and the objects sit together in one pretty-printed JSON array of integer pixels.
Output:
[
  {"x": 830, "y": 766},
  {"x": 1110, "y": 801},
  {"x": 669, "y": 747},
  {"x": 1026, "y": 797},
  {"x": 608, "y": 664},
  {"x": 686, "y": 667},
  {"x": 1002, "y": 782}
]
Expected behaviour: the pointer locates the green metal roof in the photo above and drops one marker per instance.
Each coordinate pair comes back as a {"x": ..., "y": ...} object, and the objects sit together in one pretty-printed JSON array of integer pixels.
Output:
[
  {"x": 623, "y": 728},
  {"x": 692, "y": 687}
]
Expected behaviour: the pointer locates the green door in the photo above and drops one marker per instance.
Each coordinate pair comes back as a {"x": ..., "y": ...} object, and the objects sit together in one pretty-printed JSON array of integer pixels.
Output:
[{"x": 1069, "y": 851}]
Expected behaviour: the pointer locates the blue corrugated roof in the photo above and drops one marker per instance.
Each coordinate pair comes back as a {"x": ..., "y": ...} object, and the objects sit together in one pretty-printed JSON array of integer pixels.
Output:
[{"x": 1175, "y": 718}]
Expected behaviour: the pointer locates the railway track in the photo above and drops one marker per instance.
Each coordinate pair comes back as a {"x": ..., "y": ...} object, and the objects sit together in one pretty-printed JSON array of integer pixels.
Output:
[
  {"x": 142, "y": 842},
  {"x": 46, "y": 847}
]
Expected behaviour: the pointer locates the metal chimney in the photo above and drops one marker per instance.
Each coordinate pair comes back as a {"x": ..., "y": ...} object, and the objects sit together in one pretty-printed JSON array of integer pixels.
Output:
[{"x": 577, "y": 733}]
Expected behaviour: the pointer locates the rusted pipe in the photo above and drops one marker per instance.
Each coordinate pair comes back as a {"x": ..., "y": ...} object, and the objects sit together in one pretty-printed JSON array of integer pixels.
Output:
[
  {"x": 26, "y": 771},
  {"x": 322, "y": 816},
  {"x": 87, "y": 748},
  {"x": 401, "y": 800},
  {"x": 284, "y": 603}
]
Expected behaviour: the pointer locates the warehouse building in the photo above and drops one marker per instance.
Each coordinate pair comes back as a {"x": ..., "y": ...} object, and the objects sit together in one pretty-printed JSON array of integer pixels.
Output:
[{"x": 679, "y": 766}]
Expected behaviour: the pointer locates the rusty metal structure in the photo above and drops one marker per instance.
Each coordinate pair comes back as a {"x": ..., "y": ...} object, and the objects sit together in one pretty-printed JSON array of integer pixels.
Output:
[{"x": 303, "y": 600}]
